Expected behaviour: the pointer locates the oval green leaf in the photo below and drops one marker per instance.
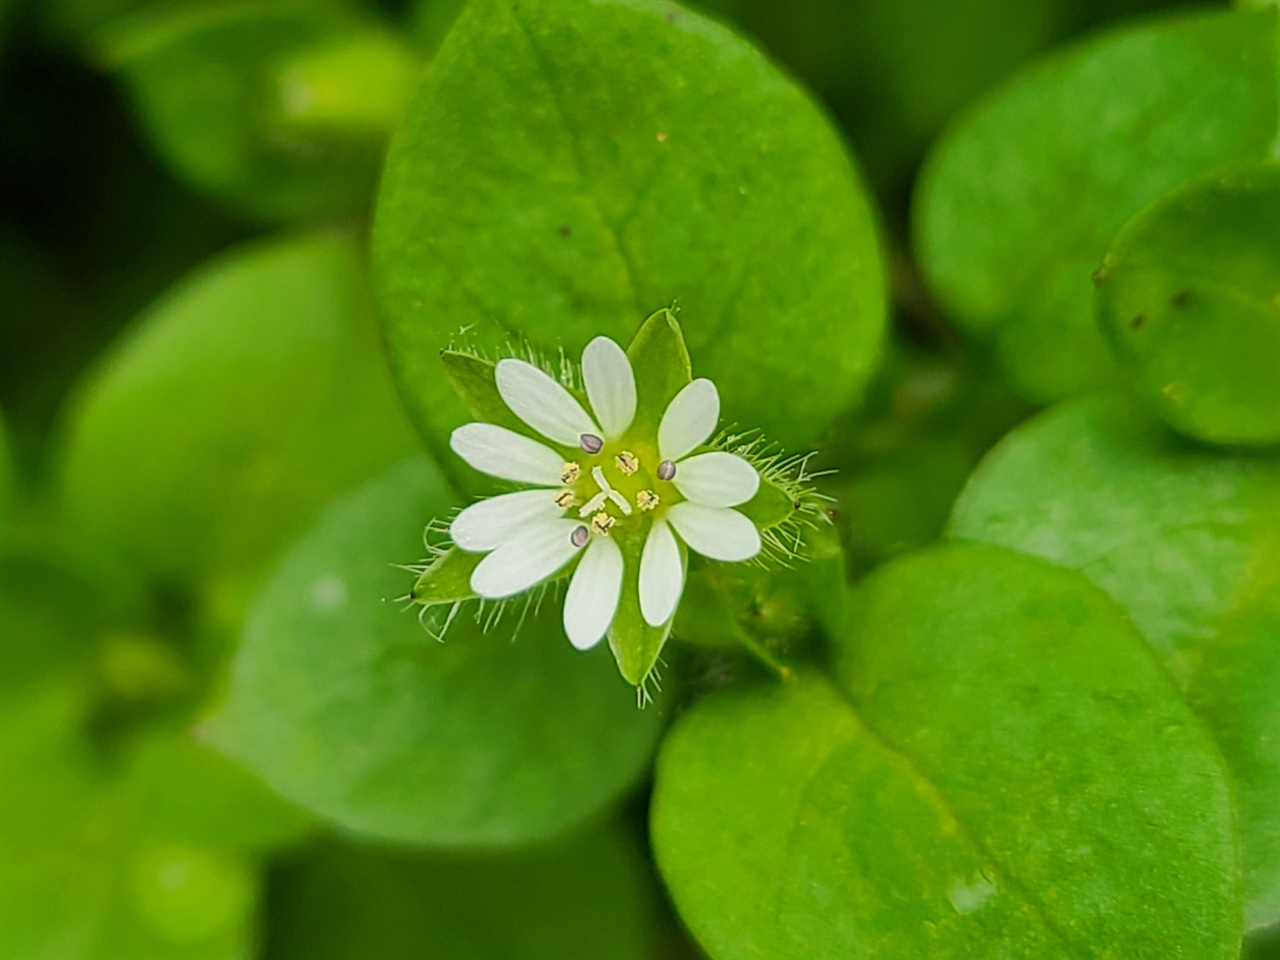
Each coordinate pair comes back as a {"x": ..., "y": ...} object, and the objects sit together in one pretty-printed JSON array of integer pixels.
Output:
[
  {"x": 1018, "y": 204},
  {"x": 346, "y": 704},
  {"x": 1003, "y": 771},
  {"x": 1188, "y": 542},
  {"x": 1189, "y": 296},
  {"x": 242, "y": 402},
  {"x": 567, "y": 168}
]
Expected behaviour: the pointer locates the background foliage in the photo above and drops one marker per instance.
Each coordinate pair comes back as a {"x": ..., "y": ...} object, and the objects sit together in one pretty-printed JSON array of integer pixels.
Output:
[{"x": 1012, "y": 268}]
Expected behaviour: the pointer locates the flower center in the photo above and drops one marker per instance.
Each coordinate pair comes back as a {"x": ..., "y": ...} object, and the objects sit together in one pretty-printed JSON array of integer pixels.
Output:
[{"x": 615, "y": 484}]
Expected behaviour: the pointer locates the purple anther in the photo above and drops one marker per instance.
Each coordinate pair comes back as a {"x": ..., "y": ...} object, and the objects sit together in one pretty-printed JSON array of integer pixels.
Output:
[
  {"x": 590, "y": 443},
  {"x": 666, "y": 470},
  {"x": 579, "y": 537}
]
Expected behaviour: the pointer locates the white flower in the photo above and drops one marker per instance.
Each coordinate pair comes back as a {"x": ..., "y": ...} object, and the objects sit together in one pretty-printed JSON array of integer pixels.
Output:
[{"x": 597, "y": 481}]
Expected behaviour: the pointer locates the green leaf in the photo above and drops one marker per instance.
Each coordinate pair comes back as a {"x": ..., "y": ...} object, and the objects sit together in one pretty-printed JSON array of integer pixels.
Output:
[
  {"x": 240, "y": 403},
  {"x": 1002, "y": 772},
  {"x": 341, "y": 699},
  {"x": 587, "y": 898},
  {"x": 280, "y": 109},
  {"x": 1189, "y": 295},
  {"x": 1188, "y": 542},
  {"x": 1018, "y": 203},
  {"x": 579, "y": 186}
]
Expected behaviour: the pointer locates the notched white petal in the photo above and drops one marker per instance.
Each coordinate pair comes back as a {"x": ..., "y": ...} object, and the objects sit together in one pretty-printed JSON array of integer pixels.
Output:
[
  {"x": 505, "y": 454},
  {"x": 536, "y": 552},
  {"x": 542, "y": 403},
  {"x": 611, "y": 385},
  {"x": 689, "y": 420},
  {"x": 488, "y": 524},
  {"x": 661, "y": 575},
  {"x": 592, "y": 598},
  {"x": 717, "y": 479},
  {"x": 715, "y": 532}
]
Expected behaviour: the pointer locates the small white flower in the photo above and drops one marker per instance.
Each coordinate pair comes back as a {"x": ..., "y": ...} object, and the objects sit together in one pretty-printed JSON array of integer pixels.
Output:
[{"x": 598, "y": 480}]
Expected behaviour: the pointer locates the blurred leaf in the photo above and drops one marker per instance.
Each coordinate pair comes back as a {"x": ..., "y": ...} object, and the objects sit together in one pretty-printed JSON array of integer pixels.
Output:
[
  {"x": 6, "y": 477},
  {"x": 566, "y": 169},
  {"x": 1004, "y": 772},
  {"x": 1018, "y": 203},
  {"x": 105, "y": 857},
  {"x": 345, "y": 703},
  {"x": 900, "y": 462},
  {"x": 1189, "y": 544},
  {"x": 280, "y": 108},
  {"x": 1189, "y": 295},
  {"x": 241, "y": 403},
  {"x": 589, "y": 897}
]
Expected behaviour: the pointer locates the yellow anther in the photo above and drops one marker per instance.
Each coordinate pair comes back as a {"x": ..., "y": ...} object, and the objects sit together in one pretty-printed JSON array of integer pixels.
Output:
[
  {"x": 627, "y": 462},
  {"x": 570, "y": 473},
  {"x": 646, "y": 500},
  {"x": 601, "y": 523},
  {"x": 565, "y": 498}
]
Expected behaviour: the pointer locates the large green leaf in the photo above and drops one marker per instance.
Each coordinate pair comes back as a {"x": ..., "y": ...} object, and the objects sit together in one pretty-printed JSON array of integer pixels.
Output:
[
  {"x": 1188, "y": 542},
  {"x": 567, "y": 168},
  {"x": 346, "y": 704},
  {"x": 1189, "y": 296},
  {"x": 589, "y": 897},
  {"x": 242, "y": 402},
  {"x": 1019, "y": 202},
  {"x": 281, "y": 108},
  {"x": 1002, "y": 771}
]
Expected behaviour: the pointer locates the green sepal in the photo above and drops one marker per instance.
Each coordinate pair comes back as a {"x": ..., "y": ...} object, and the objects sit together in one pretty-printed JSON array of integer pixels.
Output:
[
  {"x": 472, "y": 380},
  {"x": 447, "y": 579},
  {"x": 660, "y": 362},
  {"x": 770, "y": 506},
  {"x": 634, "y": 643}
]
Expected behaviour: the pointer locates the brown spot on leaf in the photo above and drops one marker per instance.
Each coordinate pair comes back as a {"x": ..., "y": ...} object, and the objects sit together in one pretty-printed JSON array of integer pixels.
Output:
[
  {"x": 565, "y": 229},
  {"x": 1137, "y": 321},
  {"x": 1180, "y": 299},
  {"x": 1100, "y": 275}
]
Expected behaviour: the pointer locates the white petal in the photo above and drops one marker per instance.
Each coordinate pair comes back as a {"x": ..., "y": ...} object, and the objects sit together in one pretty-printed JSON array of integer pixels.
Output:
[
  {"x": 689, "y": 420},
  {"x": 593, "y": 594},
  {"x": 715, "y": 532},
  {"x": 505, "y": 454},
  {"x": 542, "y": 403},
  {"x": 611, "y": 386},
  {"x": 717, "y": 479},
  {"x": 487, "y": 524},
  {"x": 533, "y": 554},
  {"x": 661, "y": 575}
]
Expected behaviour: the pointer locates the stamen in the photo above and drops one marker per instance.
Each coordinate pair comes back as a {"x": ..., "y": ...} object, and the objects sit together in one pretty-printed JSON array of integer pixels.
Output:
[
  {"x": 646, "y": 500},
  {"x": 627, "y": 462},
  {"x": 590, "y": 443},
  {"x": 666, "y": 470},
  {"x": 579, "y": 537},
  {"x": 565, "y": 498},
  {"x": 570, "y": 473},
  {"x": 601, "y": 523}
]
